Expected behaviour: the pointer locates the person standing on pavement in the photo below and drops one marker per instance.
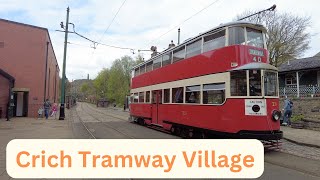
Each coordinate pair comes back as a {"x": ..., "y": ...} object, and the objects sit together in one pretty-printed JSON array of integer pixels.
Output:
[
  {"x": 287, "y": 111},
  {"x": 47, "y": 106}
]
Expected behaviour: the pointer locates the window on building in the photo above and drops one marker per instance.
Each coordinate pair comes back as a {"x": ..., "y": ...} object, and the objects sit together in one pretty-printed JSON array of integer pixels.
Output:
[
  {"x": 291, "y": 79},
  {"x": 238, "y": 83},
  {"x": 141, "y": 97},
  {"x": 166, "y": 59},
  {"x": 149, "y": 66},
  {"x": 166, "y": 96},
  {"x": 255, "y": 82},
  {"x": 194, "y": 48},
  {"x": 157, "y": 63},
  {"x": 193, "y": 94},
  {"x": 214, "y": 41},
  {"x": 177, "y": 95},
  {"x": 236, "y": 35},
  {"x": 148, "y": 97},
  {"x": 213, "y": 93},
  {"x": 254, "y": 38},
  {"x": 178, "y": 54},
  {"x": 135, "y": 98}
]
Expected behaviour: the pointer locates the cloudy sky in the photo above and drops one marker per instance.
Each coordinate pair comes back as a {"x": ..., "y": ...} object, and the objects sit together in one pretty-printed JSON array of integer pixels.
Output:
[{"x": 138, "y": 25}]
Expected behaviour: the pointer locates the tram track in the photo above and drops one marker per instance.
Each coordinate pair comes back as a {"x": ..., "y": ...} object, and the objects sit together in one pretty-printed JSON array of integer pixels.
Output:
[
  {"x": 80, "y": 119},
  {"x": 104, "y": 123}
]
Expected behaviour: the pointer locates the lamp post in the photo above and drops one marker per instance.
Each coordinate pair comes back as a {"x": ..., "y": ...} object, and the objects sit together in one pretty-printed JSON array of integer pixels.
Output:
[{"x": 62, "y": 114}]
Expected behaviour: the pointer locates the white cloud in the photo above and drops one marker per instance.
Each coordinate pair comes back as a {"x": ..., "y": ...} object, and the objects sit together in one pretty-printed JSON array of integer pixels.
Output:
[{"x": 138, "y": 24}]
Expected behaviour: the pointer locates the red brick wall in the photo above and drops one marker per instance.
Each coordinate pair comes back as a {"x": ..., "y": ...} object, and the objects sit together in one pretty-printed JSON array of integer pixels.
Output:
[{"x": 23, "y": 57}]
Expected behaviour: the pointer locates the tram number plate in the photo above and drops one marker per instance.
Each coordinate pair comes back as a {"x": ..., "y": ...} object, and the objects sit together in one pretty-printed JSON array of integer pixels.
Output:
[{"x": 255, "y": 107}]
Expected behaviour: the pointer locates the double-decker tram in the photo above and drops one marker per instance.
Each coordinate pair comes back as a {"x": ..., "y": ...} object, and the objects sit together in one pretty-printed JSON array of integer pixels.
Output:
[{"x": 217, "y": 83}]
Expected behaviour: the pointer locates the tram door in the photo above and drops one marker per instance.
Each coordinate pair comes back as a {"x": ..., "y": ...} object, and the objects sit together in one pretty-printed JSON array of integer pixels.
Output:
[{"x": 156, "y": 100}]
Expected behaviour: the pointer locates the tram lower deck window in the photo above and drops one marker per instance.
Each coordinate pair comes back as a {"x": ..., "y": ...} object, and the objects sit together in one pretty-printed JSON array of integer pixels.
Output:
[
  {"x": 141, "y": 97},
  {"x": 238, "y": 83},
  {"x": 193, "y": 94},
  {"x": 177, "y": 95},
  {"x": 148, "y": 97},
  {"x": 166, "y": 96},
  {"x": 214, "y": 93}
]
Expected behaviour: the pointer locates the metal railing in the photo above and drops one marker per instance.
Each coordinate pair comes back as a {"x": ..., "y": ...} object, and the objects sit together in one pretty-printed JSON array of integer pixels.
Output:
[{"x": 304, "y": 91}]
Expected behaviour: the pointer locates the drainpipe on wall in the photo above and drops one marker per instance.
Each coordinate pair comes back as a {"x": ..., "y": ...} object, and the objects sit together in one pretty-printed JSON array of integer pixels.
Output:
[
  {"x": 45, "y": 74},
  {"x": 55, "y": 83}
]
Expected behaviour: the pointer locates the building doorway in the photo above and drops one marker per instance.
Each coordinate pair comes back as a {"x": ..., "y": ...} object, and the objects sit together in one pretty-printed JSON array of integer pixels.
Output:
[{"x": 20, "y": 108}]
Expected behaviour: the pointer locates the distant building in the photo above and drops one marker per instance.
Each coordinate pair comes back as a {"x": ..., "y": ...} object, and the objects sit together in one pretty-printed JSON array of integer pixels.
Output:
[
  {"x": 300, "y": 77},
  {"x": 29, "y": 64}
]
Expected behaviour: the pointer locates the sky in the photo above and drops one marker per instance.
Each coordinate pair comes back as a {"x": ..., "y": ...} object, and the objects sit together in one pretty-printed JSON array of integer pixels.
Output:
[{"x": 139, "y": 24}]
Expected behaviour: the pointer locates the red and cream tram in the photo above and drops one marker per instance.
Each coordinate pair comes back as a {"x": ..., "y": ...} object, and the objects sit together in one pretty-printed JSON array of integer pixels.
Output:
[{"x": 219, "y": 82}]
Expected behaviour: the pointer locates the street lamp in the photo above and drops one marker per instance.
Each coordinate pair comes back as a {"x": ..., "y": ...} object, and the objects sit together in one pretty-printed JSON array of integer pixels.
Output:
[{"x": 62, "y": 114}]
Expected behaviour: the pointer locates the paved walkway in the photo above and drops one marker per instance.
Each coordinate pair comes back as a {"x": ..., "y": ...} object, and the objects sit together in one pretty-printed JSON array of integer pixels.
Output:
[
  {"x": 302, "y": 136},
  {"x": 30, "y": 128}
]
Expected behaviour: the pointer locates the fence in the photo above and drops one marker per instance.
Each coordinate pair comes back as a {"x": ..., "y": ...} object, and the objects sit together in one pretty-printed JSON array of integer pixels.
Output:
[{"x": 304, "y": 91}]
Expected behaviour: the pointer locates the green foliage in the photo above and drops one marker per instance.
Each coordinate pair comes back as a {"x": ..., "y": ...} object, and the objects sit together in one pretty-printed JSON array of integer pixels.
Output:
[
  {"x": 84, "y": 88},
  {"x": 100, "y": 83},
  {"x": 296, "y": 118}
]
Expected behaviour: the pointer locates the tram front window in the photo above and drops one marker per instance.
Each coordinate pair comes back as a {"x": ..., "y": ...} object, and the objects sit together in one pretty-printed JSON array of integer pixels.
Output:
[
  {"x": 254, "y": 38},
  {"x": 270, "y": 83},
  {"x": 255, "y": 82},
  {"x": 236, "y": 35}
]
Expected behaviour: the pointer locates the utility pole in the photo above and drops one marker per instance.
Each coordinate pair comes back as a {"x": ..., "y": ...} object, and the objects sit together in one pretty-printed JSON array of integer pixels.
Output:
[{"x": 62, "y": 114}]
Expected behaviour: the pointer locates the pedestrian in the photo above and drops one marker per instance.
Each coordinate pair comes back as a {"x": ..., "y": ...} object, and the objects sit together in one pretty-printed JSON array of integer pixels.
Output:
[
  {"x": 124, "y": 107},
  {"x": 287, "y": 112},
  {"x": 54, "y": 110},
  {"x": 40, "y": 111},
  {"x": 46, "y": 106}
]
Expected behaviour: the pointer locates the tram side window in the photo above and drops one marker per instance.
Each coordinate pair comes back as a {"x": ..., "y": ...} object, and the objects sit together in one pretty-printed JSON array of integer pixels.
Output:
[
  {"x": 149, "y": 66},
  {"x": 148, "y": 97},
  {"x": 177, "y": 95},
  {"x": 213, "y": 93},
  {"x": 178, "y": 54},
  {"x": 157, "y": 63},
  {"x": 166, "y": 59},
  {"x": 270, "y": 83},
  {"x": 141, "y": 97},
  {"x": 236, "y": 35},
  {"x": 135, "y": 98},
  {"x": 142, "y": 69},
  {"x": 193, "y": 94},
  {"x": 238, "y": 83},
  {"x": 136, "y": 71},
  {"x": 255, "y": 82},
  {"x": 214, "y": 41},
  {"x": 131, "y": 98},
  {"x": 166, "y": 96},
  {"x": 194, "y": 48}
]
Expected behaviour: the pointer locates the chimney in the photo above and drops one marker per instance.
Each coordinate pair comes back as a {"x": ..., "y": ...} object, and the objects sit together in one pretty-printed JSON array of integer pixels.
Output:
[{"x": 88, "y": 77}]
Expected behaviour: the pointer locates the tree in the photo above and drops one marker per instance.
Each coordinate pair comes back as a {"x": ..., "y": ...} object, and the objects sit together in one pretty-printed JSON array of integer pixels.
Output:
[
  {"x": 287, "y": 37},
  {"x": 100, "y": 83}
]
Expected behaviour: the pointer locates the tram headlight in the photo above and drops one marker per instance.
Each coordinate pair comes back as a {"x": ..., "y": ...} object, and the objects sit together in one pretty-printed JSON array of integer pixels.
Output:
[{"x": 276, "y": 115}]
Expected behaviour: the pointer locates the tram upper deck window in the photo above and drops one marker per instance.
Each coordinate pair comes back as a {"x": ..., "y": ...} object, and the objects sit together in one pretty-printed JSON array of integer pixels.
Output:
[
  {"x": 194, "y": 48},
  {"x": 149, "y": 66},
  {"x": 236, "y": 35},
  {"x": 178, "y": 54},
  {"x": 142, "y": 69},
  {"x": 238, "y": 83},
  {"x": 157, "y": 63},
  {"x": 214, "y": 41},
  {"x": 193, "y": 94},
  {"x": 255, "y": 82},
  {"x": 270, "y": 83},
  {"x": 254, "y": 38},
  {"x": 166, "y": 59},
  {"x": 136, "y": 71}
]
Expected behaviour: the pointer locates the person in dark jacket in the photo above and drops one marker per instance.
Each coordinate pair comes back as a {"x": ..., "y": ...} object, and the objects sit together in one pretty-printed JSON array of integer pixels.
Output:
[
  {"x": 287, "y": 112},
  {"x": 47, "y": 106}
]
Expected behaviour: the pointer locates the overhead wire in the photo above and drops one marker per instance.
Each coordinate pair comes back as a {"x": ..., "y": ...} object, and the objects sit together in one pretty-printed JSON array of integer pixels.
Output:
[{"x": 184, "y": 21}]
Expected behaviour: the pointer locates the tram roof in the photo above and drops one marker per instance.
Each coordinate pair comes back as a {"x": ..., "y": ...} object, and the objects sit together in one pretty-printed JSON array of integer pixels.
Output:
[{"x": 221, "y": 26}]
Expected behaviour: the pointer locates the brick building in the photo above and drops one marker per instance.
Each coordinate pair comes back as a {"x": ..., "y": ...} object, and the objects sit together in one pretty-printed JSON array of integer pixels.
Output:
[{"x": 29, "y": 71}]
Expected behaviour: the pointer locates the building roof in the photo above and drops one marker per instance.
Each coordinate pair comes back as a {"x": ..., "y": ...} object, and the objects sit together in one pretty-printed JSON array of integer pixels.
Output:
[
  {"x": 7, "y": 76},
  {"x": 300, "y": 64}
]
